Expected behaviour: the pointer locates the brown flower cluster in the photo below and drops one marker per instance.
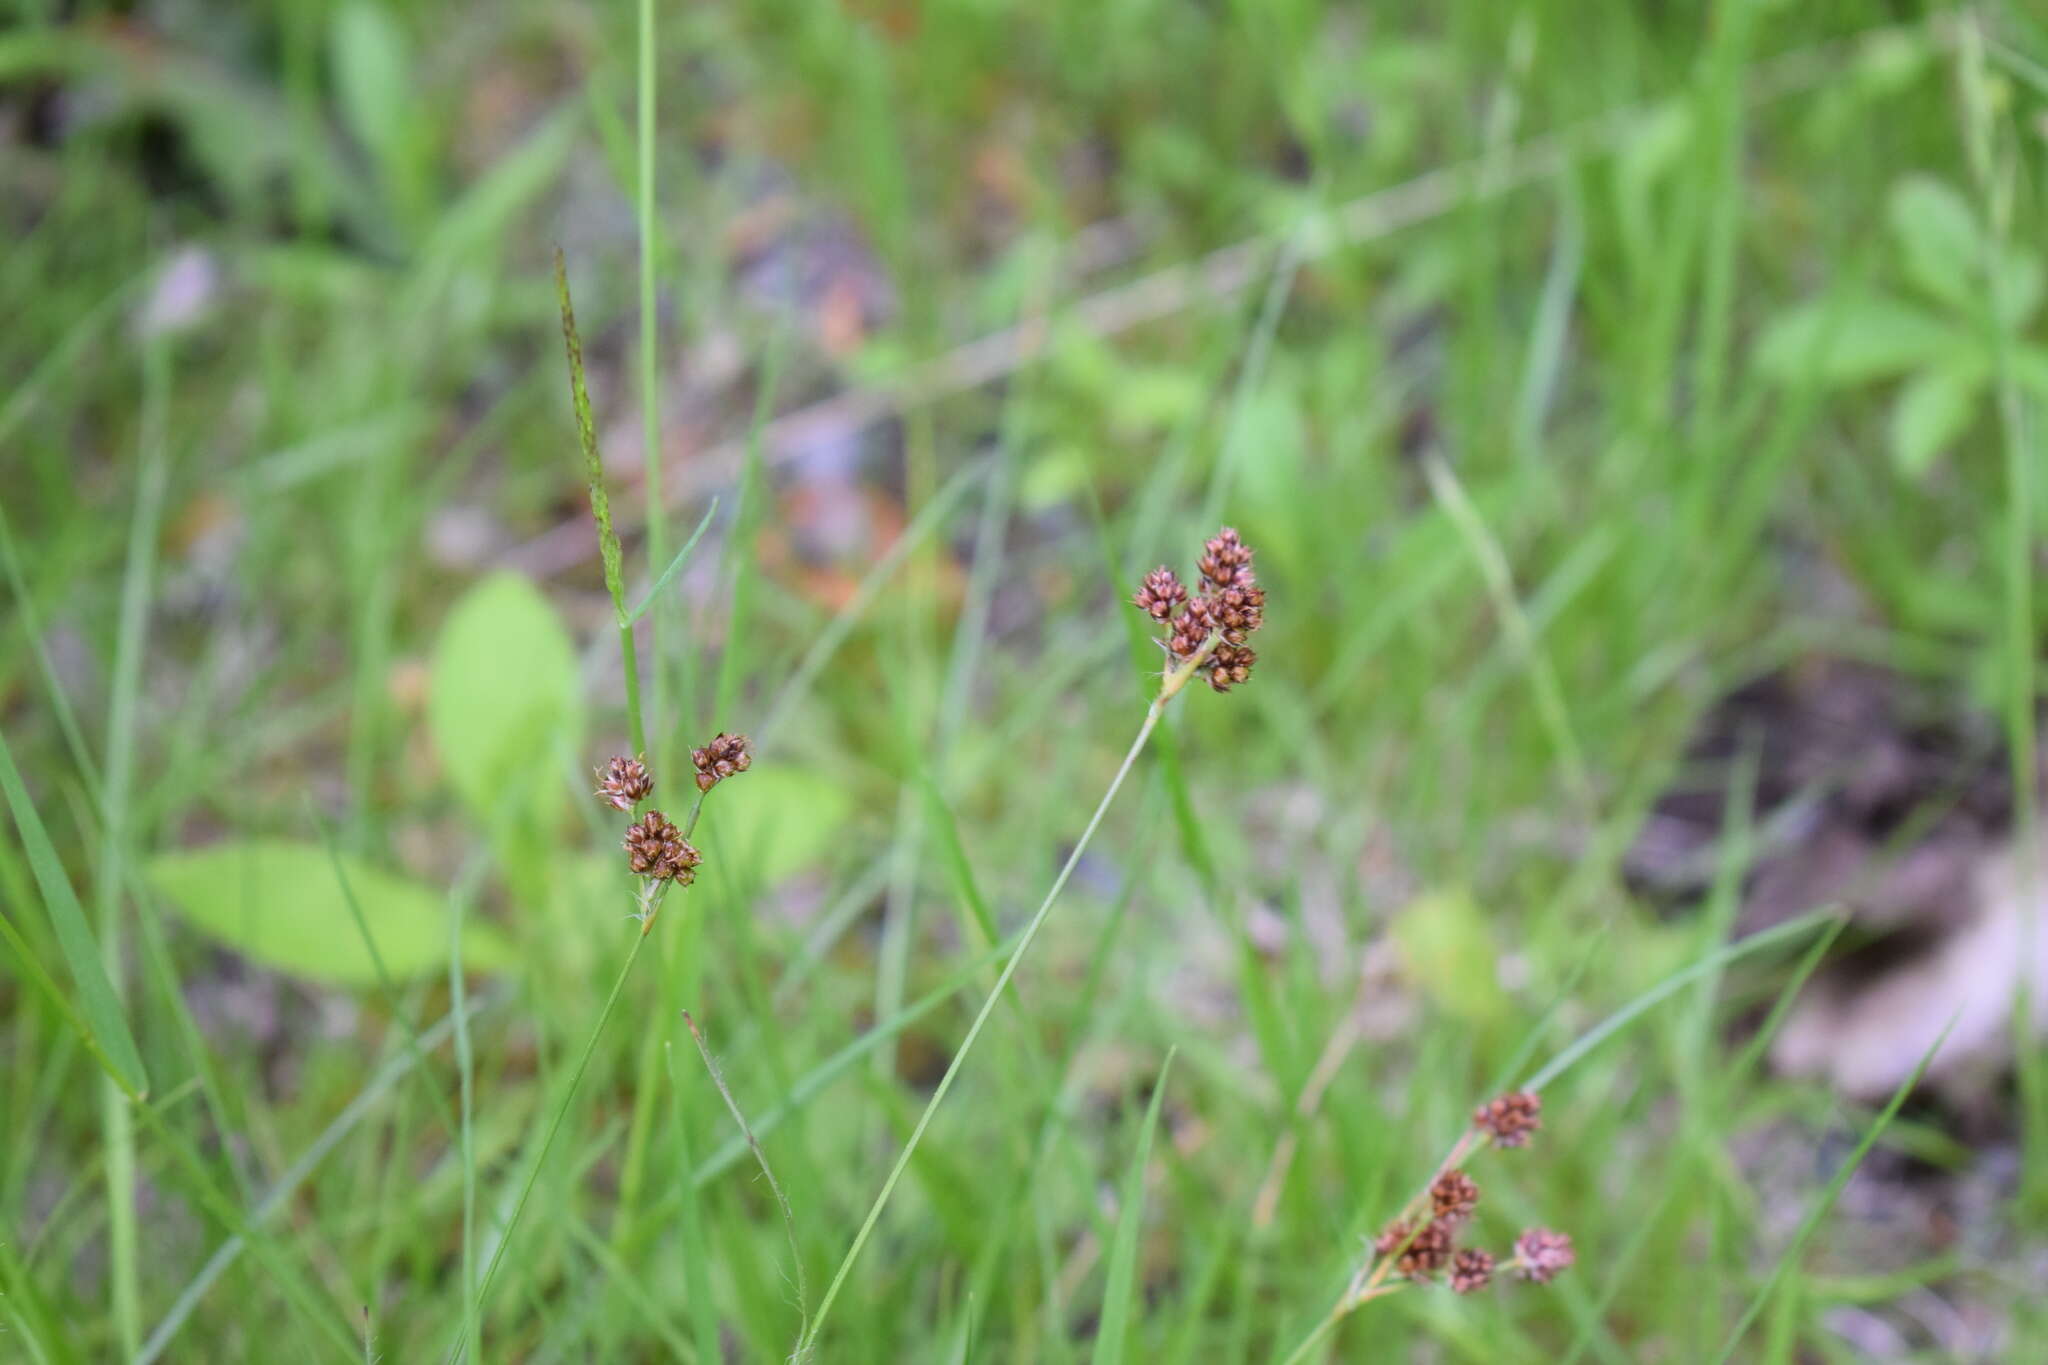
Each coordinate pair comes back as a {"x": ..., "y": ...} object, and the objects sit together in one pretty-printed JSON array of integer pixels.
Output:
[
  {"x": 656, "y": 849},
  {"x": 1230, "y": 607},
  {"x": 1422, "y": 1244},
  {"x": 720, "y": 759},
  {"x": 1510, "y": 1119},
  {"x": 624, "y": 783}
]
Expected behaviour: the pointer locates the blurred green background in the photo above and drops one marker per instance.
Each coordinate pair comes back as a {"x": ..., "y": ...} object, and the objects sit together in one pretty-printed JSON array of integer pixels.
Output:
[{"x": 1572, "y": 369}]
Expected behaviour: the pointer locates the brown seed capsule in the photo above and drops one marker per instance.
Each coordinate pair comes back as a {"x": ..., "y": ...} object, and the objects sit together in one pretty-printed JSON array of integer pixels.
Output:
[
  {"x": 1453, "y": 1196},
  {"x": 623, "y": 783},
  {"x": 720, "y": 759},
  {"x": 1427, "y": 1253},
  {"x": 1190, "y": 629},
  {"x": 1471, "y": 1270},
  {"x": 1160, "y": 595},
  {"x": 1225, "y": 560},
  {"x": 656, "y": 848},
  {"x": 1510, "y": 1118},
  {"x": 1230, "y": 665},
  {"x": 1542, "y": 1255},
  {"x": 1240, "y": 610}
]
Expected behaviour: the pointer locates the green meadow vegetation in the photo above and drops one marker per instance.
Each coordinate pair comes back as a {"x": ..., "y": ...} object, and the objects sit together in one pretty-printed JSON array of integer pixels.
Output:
[{"x": 1566, "y": 366}]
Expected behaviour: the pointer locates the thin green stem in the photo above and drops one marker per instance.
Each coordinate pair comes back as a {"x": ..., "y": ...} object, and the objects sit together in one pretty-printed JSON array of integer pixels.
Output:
[
  {"x": 483, "y": 1292},
  {"x": 1174, "y": 681},
  {"x": 650, "y": 370},
  {"x": 116, "y": 1119}
]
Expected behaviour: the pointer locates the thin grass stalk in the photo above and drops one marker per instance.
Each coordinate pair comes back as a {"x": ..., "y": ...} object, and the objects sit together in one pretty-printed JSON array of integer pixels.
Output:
[{"x": 1176, "y": 679}]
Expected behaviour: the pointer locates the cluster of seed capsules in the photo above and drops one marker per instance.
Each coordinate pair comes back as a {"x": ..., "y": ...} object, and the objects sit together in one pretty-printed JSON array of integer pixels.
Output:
[
  {"x": 655, "y": 847},
  {"x": 1230, "y": 606},
  {"x": 1425, "y": 1246}
]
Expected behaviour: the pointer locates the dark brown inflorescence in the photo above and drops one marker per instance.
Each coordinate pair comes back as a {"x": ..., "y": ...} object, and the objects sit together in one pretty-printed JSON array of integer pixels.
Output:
[
  {"x": 623, "y": 783},
  {"x": 1511, "y": 1118},
  {"x": 1418, "y": 1256},
  {"x": 1230, "y": 607},
  {"x": 1471, "y": 1270},
  {"x": 1160, "y": 595},
  {"x": 656, "y": 849},
  {"x": 1542, "y": 1255},
  {"x": 1453, "y": 1195},
  {"x": 720, "y": 759}
]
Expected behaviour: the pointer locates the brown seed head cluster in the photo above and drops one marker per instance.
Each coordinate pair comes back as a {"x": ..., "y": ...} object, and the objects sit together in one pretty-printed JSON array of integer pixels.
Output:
[
  {"x": 1230, "y": 606},
  {"x": 1542, "y": 1255},
  {"x": 720, "y": 759},
  {"x": 655, "y": 848},
  {"x": 1418, "y": 1256},
  {"x": 624, "y": 783},
  {"x": 1453, "y": 1195},
  {"x": 1510, "y": 1118},
  {"x": 1421, "y": 1244},
  {"x": 1471, "y": 1270}
]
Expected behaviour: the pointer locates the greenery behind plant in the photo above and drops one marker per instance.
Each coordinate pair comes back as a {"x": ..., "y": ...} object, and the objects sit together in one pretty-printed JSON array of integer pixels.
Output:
[{"x": 1537, "y": 475}]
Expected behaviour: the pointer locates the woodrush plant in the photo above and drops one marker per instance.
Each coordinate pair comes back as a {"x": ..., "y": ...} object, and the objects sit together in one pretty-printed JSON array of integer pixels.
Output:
[{"x": 1204, "y": 634}]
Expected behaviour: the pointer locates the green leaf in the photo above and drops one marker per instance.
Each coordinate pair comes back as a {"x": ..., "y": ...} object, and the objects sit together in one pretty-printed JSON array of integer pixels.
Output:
[
  {"x": 74, "y": 936},
  {"x": 281, "y": 903},
  {"x": 2019, "y": 288},
  {"x": 1855, "y": 339},
  {"x": 373, "y": 81},
  {"x": 1446, "y": 944},
  {"x": 1943, "y": 246},
  {"x": 506, "y": 701},
  {"x": 1931, "y": 412},
  {"x": 1119, "y": 1293},
  {"x": 770, "y": 822}
]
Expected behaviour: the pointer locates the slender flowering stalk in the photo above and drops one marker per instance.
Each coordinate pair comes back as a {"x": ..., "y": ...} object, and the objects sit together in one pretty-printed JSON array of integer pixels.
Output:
[
  {"x": 1192, "y": 646},
  {"x": 1421, "y": 1241}
]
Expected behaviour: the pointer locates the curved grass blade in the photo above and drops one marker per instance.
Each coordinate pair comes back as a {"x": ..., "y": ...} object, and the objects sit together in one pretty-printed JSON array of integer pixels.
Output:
[
  {"x": 682, "y": 558},
  {"x": 1118, "y": 1292},
  {"x": 81, "y": 950}
]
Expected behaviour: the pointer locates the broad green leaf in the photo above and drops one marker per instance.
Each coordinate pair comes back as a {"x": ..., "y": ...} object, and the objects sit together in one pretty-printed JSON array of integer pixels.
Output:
[
  {"x": 506, "y": 700},
  {"x": 374, "y": 82},
  {"x": 2019, "y": 288},
  {"x": 1856, "y": 339},
  {"x": 282, "y": 904},
  {"x": 1121, "y": 1289},
  {"x": 1943, "y": 246},
  {"x": 1932, "y": 410},
  {"x": 102, "y": 1007},
  {"x": 770, "y": 822},
  {"x": 1446, "y": 944}
]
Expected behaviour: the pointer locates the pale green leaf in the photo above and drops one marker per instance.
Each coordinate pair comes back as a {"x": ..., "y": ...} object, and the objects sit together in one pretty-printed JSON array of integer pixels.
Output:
[
  {"x": 770, "y": 822},
  {"x": 1856, "y": 339},
  {"x": 1446, "y": 945},
  {"x": 1935, "y": 228},
  {"x": 284, "y": 904},
  {"x": 506, "y": 701},
  {"x": 1932, "y": 410},
  {"x": 1120, "y": 1292}
]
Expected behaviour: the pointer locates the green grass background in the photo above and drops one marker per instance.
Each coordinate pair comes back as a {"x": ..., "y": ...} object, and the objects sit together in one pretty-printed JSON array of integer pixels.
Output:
[{"x": 1529, "y": 492}]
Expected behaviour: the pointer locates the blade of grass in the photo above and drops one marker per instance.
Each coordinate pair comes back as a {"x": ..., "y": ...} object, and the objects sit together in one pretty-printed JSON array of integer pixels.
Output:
[
  {"x": 1120, "y": 1291},
  {"x": 295, "y": 1175},
  {"x": 97, "y": 1000},
  {"x": 682, "y": 558},
  {"x": 650, "y": 338},
  {"x": 1152, "y": 714},
  {"x": 1825, "y": 1201},
  {"x": 796, "y": 1253}
]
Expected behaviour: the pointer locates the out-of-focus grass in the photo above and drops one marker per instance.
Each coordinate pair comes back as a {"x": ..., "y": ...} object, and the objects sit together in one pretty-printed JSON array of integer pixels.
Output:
[{"x": 1469, "y": 690}]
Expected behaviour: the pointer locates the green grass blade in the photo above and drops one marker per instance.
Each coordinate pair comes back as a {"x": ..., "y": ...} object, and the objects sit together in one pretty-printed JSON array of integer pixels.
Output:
[
  {"x": 102, "y": 1008},
  {"x": 1825, "y": 1201},
  {"x": 296, "y": 1174},
  {"x": 682, "y": 558},
  {"x": 1664, "y": 989},
  {"x": 1120, "y": 1291}
]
